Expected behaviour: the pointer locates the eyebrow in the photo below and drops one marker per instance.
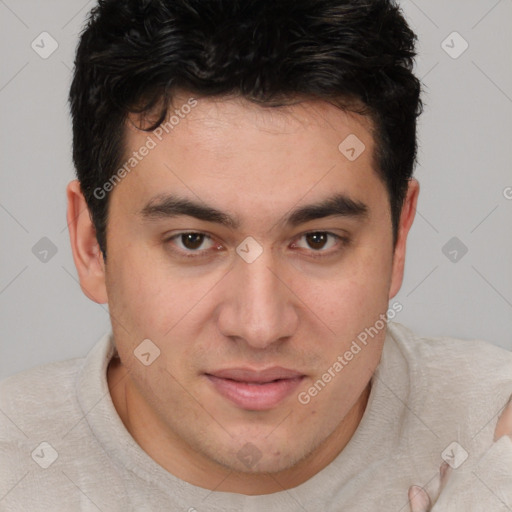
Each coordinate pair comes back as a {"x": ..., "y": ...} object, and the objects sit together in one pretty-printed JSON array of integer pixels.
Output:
[{"x": 168, "y": 206}]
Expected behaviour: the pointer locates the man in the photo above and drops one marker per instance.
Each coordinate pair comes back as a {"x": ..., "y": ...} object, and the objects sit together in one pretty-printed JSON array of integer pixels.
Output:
[{"x": 243, "y": 201}]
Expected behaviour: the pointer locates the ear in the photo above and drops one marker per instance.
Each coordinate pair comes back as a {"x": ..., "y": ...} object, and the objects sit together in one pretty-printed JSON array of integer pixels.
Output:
[
  {"x": 86, "y": 250},
  {"x": 406, "y": 219}
]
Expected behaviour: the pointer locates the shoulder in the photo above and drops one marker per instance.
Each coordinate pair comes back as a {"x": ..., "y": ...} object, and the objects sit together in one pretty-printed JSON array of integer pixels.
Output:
[
  {"x": 457, "y": 388},
  {"x": 32, "y": 399},
  {"x": 33, "y": 406},
  {"x": 51, "y": 391},
  {"x": 474, "y": 362},
  {"x": 50, "y": 381}
]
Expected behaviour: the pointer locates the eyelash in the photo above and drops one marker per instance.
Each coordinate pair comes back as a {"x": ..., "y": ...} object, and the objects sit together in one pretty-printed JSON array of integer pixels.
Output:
[{"x": 343, "y": 241}]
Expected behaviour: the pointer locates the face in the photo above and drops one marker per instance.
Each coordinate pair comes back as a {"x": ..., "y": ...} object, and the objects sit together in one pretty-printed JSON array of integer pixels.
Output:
[{"x": 285, "y": 259}]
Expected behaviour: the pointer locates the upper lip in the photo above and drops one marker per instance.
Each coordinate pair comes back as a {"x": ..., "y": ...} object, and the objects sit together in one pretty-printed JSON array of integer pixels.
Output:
[{"x": 248, "y": 375}]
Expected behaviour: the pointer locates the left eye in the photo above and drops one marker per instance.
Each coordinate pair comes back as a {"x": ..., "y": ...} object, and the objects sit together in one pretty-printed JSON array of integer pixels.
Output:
[{"x": 318, "y": 240}]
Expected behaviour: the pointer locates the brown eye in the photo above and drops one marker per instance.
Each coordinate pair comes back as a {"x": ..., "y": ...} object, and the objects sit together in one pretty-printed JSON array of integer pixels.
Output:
[
  {"x": 320, "y": 244},
  {"x": 317, "y": 240},
  {"x": 192, "y": 240},
  {"x": 191, "y": 243}
]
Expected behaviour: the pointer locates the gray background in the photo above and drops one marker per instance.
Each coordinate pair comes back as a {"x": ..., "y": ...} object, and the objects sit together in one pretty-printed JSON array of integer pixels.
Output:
[{"x": 464, "y": 171}]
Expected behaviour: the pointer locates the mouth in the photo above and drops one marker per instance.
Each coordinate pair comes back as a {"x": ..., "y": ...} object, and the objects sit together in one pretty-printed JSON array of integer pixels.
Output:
[{"x": 255, "y": 390}]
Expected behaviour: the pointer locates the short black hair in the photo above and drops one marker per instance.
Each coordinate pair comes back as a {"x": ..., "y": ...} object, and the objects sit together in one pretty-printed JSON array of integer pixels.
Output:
[{"x": 134, "y": 55}]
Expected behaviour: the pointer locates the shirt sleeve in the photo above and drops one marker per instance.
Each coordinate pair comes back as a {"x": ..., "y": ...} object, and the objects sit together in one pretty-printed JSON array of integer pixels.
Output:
[{"x": 488, "y": 486}]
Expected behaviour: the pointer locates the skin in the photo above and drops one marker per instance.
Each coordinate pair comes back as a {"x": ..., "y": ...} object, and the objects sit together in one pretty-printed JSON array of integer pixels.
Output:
[{"x": 284, "y": 309}]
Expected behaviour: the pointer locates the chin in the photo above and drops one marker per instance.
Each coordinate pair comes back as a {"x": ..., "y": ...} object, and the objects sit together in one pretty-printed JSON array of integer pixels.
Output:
[{"x": 261, "y": 456}]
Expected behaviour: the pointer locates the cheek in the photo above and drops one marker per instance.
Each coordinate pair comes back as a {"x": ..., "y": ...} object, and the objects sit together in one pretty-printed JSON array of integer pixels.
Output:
[
  {"x": 352, "y": 308},
  {"x": 137, "y": 296},
  {"x": 149, "y": 298},
  {"x": 132, "y": 283},
  {"x": 355, "y": 294},
  {"x": 147, "y": 302}
]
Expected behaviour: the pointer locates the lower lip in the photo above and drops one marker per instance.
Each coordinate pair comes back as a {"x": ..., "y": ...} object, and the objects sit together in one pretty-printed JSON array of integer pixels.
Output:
[{"x": 255, "y": 397}]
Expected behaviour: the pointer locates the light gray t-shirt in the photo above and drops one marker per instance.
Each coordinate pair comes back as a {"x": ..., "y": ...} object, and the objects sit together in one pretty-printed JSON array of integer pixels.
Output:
[{"x": 63, "y": 446}]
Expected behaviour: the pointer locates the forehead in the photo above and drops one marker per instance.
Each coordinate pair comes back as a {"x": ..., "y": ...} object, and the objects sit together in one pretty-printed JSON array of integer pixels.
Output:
[
  {"x": 215, "y": 149},
  {"x": 219, "y": 120}
]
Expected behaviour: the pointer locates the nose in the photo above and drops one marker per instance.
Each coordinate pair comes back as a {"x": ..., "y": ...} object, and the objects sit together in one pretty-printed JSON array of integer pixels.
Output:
[{"x": 258, "y": 304}]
